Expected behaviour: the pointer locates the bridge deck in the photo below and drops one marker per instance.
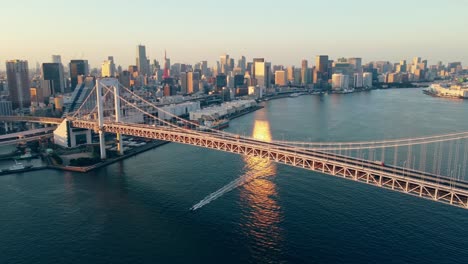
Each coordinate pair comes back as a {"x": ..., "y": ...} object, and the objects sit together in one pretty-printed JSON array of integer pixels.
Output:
[
  {"x": 411, "y": 182},
  {"x": 27, "y": 133}
]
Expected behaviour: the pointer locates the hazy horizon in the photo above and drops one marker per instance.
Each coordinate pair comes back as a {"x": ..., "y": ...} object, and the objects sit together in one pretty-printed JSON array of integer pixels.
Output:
[{"x": 283, "y": 33}]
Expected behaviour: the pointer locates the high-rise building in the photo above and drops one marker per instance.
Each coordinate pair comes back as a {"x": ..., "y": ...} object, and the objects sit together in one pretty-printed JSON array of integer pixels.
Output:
[
  {"x": 290, "y": 74},
  {"x": 356, "y": 63},
  {"x": 6, "y": 108},
  {"x": 242, "y": 64},
  {"x": 322, "y": 70},
  {"x": 321, "y": 63},
  {"x": 239, "y": 81},
  {"x": 340, "y": 81},
  {"x": 142, "y": 61},
  {"x": 402, "y": 67},
  {"x": 53, "y": 72},
  {"x": 124, "y": 78},
  {"x": 221, "y": 81},
  {"x": 204, "y": 68},
  {"x": 358, "y": 80},
  {"x": 304, "y": 75},
  {"x": 297, "y": 76},
  {"x": 18, "y": 83},
  {"x": 108, "y": 68},
  {"x": 224, "y": 64},
  {"x": 262, "y": 72},
  {"x": 183, "y": 82},
  {"x": 57, "y": 59},
  {"x": 167, "y": 66},
  {"x": 190, "y": 83},
  {"x": 367, "y": 80},
  {"x": 77, "y": 68},
  {"x": 193, "y": 81},
  {"x": 255, "y": 60},
  {"x": 280, "y": 78}
]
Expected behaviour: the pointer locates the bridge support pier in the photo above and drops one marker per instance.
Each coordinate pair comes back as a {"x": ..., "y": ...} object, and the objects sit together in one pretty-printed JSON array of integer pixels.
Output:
[
  {"x": 117, "y": 118},
  {"x": 100, "y": 110}
]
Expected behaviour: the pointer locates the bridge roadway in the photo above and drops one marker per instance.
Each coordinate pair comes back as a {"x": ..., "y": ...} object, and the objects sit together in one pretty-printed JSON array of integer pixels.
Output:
[
  {"x": 32, "y": 119},
  {"x": 27, "y": 133},
  {"x": 413, "y": 182},
  {"x": 26, "y": 139}
]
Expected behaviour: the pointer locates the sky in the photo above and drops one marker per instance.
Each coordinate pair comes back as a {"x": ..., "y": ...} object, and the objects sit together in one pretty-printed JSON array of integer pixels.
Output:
[{"x": 283, "y": 32}]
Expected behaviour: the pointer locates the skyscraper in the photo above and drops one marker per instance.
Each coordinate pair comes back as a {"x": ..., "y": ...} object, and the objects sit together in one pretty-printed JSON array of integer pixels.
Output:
[
  {"x": 57, "y": 59},
  {"x": 204, "y": 68},
  {"x": 357, "y": 64},
  {"x": 142, "y": 60},
  {"x": 255, "y": 60},
  {"x": 183, "y": 83},
  {"x": 280, "y": 78},
  {"x": 304, "y": 75},
  {"x": 77, "y": 68},
  {"x": 262, "y": 73},
  {"x": 242, "y": 64},
  {"x": 321, "y": 74},
  {"x": 290, "y": 74},
  {"x": 321, "y": 63},
  {"x": 224, "y": 63},
  {"x": 108, "y": 68},
  {"x": 18, "y": 83},
  {"x": 190, "y": 83},
  {"x": 167, "y": 66},
  {"x": 53, "y": 72}
]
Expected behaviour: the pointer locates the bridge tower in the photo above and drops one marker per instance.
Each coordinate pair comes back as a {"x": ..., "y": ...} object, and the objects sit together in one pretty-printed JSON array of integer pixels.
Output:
[{"x": 111, "y": 83}]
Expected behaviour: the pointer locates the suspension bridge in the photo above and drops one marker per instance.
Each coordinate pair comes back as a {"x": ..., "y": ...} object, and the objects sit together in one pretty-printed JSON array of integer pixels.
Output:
[{"x": 429, "y": 167}]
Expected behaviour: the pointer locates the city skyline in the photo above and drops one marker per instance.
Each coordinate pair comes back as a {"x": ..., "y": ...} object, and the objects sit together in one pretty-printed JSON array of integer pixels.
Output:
[{"x": 357, "y": 29}]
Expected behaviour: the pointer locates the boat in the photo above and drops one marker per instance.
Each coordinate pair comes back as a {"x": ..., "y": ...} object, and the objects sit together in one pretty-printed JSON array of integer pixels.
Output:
[
  {"x": 26, "y": 156},
  {"x": 19, "y": 166},
  {"x": 294, "y": 95}
]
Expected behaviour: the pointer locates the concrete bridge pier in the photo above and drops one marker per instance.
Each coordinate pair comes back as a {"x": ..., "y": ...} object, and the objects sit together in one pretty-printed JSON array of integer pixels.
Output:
[
  {"x": 100, "y": 109},
  {"x": 117, "y": 117}
]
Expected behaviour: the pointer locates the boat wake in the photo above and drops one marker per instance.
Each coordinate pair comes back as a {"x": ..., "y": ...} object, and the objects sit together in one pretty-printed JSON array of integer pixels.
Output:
[{"x": 258, "y": 170}]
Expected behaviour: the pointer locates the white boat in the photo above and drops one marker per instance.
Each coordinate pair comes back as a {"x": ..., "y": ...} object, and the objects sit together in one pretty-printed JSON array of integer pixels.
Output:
[{"x": 19, "y": 166}]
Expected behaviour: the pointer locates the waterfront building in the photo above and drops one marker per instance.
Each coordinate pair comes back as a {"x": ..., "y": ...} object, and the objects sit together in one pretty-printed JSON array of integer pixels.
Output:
[
  {"x": 358, "y": 81},
  {"x": 455, "y": 91},
  {"x": 340, "y": 81},
  {"x": 367, "y": 80}
]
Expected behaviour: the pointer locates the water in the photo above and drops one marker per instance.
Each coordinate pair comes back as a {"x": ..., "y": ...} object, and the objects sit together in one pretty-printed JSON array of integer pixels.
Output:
[{"x": 137, "y": 211}]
